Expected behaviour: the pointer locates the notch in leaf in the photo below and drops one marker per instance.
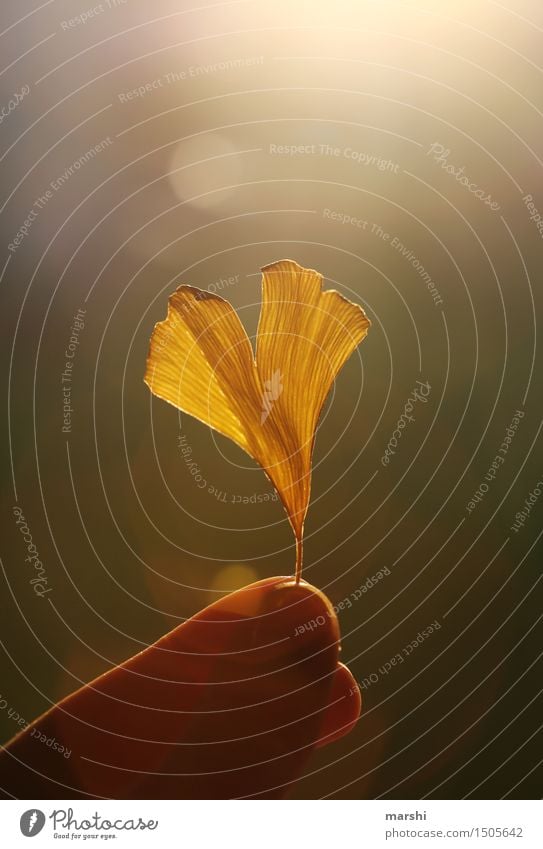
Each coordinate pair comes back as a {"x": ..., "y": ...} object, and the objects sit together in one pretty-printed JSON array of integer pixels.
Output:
[{"x": 201, "y": 361}]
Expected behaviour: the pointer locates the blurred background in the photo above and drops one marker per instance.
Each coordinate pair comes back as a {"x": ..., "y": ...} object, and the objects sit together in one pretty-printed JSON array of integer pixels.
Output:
[{"x": 394, "y": 146}]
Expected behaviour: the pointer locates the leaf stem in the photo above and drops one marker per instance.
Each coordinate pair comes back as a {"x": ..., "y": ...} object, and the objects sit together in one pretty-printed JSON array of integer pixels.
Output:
[{"x": 299, "y": 558}]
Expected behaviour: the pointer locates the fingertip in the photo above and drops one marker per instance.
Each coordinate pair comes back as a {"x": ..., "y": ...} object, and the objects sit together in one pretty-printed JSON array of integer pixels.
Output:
[
  {"x": 275, "y": 622},
  {"x": 269, "y": 596},
  {"x": 278, "y": 607},
  {"x": 302, "y": 613}
]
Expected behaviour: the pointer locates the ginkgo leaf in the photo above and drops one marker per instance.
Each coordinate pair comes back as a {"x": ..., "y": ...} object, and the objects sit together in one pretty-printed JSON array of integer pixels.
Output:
[{"x": 201, "y": 361}]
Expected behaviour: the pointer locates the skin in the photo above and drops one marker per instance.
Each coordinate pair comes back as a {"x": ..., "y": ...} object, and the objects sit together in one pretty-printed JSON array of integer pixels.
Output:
[{"x": 229, "y": 704}]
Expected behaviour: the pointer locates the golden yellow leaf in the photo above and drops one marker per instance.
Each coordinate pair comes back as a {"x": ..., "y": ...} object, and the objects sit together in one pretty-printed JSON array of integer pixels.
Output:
[{"x": 201, "y": 361}]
